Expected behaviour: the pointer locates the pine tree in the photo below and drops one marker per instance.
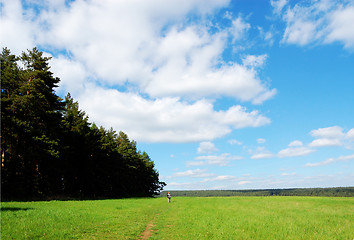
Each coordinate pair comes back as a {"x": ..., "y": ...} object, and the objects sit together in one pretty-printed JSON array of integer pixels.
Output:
[
  {"x": 10, "y": 157},
  {"x": 48, "y": 147},
  {"x": 31, "y": 135},
  {"x": 74, "y": 154}
]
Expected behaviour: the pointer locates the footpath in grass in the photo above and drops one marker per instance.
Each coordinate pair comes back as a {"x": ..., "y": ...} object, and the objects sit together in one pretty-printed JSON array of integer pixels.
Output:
[
  {"x": 183, "y": 218},
  {"x": 100, "y": 219}
]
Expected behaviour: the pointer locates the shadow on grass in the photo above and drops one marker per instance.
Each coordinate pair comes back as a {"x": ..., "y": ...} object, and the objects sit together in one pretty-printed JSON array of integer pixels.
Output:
[{"x": 14, "y": 209}]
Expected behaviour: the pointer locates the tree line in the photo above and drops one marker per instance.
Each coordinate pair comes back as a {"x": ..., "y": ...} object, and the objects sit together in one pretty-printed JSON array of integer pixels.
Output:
[
  {"x": 318, "y": 192},
  {"x": 49, "y": 149}
]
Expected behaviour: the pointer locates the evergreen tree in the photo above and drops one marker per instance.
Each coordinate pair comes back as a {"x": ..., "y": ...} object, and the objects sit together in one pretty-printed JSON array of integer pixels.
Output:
[
  {"x": 74, "y": 148},
  {"x": 33, "y": 112},
  {"x": 10, "y": 158},
  {"x": 48, "y": 147}
]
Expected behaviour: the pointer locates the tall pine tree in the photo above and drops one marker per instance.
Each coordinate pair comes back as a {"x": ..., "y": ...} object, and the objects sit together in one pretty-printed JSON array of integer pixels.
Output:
[
  {"x": 30, "y": 133},
  {"x": 48, "y": 147}
]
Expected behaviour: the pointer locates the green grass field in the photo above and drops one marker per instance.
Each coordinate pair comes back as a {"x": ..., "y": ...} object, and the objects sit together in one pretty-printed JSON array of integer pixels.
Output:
[{"x": 184, "y": 218}]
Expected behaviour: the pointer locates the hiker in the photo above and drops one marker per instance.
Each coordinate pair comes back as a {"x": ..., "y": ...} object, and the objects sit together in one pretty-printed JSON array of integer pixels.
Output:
[{"x": 169, "y": 197}]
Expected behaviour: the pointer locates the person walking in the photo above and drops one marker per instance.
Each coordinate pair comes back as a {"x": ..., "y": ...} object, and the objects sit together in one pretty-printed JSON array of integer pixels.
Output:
[{"x": 169, "y": 197}]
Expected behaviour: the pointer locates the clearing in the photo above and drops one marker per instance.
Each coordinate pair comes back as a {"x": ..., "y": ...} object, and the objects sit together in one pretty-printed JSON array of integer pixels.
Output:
[{"x": 184, "y": 218}]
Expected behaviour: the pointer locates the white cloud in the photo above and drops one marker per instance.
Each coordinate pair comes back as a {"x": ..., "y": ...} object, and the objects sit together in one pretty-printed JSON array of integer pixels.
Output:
[
  {"x": 341, "y": 26},
  {"x": 331, "y": 136},
  {"x": 147, "y": 45},
  {"x": 329, "y": 132},
  {"x": 210, "y": 182},
  {"x": 144, "y": 44},
  {"x": 268, "y": 36},
  {"x": 196, "y": 173},
  {"x": 330, "y": 160},
  {"x": 239, "y": 28},
  {"x": 72, "y": 74},
  {"x": 164, "y": 119},
  {"x": 262, "y": 155},
  {"x": 244, "y": 182},
  {"x": 295, "y": 143},
  {"x": 165, "y": 67},
  {"x": 261, "y": 140},
  {"x": 234, "y": 142},
  {"x": 286, "y": 180},
  {"x": 300, "y": 32},
  {"x": 16, "y": 29},
  {"x": 220, "y": 178},
  {"x": 278, "y": 5},
  {"x": 254, "y": 61},
  {"x": 318, "y": 22},
  {"x": 219, "y": 160},
  {"x": 185, "y": 185},
  {"x": 325, "y": 142},
  {"x": 206, "y": 147},
  {"x": 295, "y": 152},
  {"x": 325, "y": 137},
  {"x": 303, "y": 24},
  {"x": 350, "y": 134},
  {"x": 195, "y": 163},
  {"x": 288, "y": 174},
  {"x": 197, "y": 79}
]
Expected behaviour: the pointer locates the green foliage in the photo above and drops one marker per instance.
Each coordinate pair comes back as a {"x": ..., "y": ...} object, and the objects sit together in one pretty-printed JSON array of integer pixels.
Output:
[
  {"x": 50, "y": 150},
  {"x": 31, "y": 114}
]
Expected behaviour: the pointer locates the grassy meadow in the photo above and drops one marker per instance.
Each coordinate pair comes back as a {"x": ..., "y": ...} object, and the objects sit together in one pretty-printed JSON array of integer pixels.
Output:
[{"x": 184, "y": 218}]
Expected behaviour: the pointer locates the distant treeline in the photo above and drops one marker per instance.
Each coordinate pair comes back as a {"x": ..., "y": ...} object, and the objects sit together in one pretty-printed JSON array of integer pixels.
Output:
[
  {"x": 323, "y": 192},
  {"x": 50, "y": 150}
]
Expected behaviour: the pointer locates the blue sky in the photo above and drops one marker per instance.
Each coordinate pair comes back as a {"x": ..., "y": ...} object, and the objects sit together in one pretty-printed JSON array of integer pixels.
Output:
[{"x": 221, "y": 94}]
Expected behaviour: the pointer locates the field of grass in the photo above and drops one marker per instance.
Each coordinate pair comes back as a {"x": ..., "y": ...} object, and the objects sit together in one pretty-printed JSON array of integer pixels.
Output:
[{"x": 184, "y": 218}]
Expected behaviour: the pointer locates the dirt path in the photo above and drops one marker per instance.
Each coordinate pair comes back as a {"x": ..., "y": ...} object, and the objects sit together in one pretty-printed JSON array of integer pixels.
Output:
[{"x": 148, "y": 231}]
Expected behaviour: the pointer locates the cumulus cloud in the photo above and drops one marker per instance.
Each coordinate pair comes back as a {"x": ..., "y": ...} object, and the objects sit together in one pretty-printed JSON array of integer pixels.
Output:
[
  {"x": 324, "y": 137},
  {"x": 141, "y": 67},
  {"x": 285, "y": 174},
  {"x": 72, "y": 73},
  {"x": 254, "y": 61},
  {"x": 295, "y": 143},
  {"x": 330, "y": 160},
  {"x": 295, "y": 152},
  {"x": 206, "y": 147},
  {"x": 164, "y": 119},
  {"x": 331, "y": 137},
  {"x": 234, "y": 142},
  {"x": 340, "y": 26},
  {"x": 334, "y": 136},
  {"x": 278, "y": 5},
  {"x": 325, "y": 142},
  {"x": 318, "y": 22},
  {"x": 208, "y": 182},
  {"x": 128, "y": 42},
  {"x": 261, "y": 152},
  {"x": 196, "y": 173},
  {"x": 220, "y": 178},
  {"x": 329, "y": 132},
  {"x": 16, "y": 29},
  {"x": 244, "y": 182},
  {"x": 262, "y": 155},
  {"x": 239, "y": 28},
  {"x": 350, "y": 134},
  {"x": 219, "y": 160}
]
